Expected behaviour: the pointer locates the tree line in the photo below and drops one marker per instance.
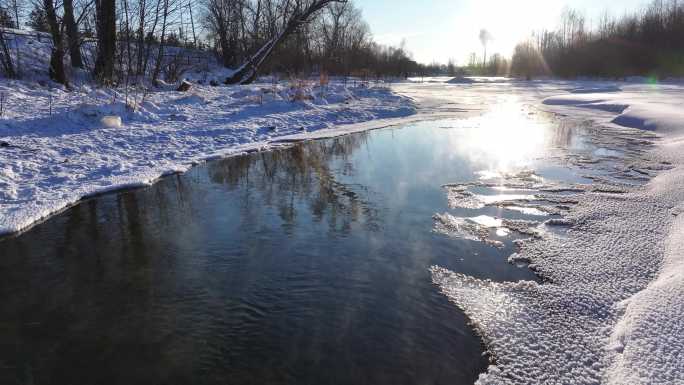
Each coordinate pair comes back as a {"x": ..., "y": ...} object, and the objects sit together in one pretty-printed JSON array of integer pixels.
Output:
[
  {"x": 649, "y": 42},
  {"x": 135, "y": 41}
]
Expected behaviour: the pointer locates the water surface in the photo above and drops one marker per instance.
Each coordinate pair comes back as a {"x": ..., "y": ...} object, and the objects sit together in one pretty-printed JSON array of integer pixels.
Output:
[{"x": 305, "y": 265}]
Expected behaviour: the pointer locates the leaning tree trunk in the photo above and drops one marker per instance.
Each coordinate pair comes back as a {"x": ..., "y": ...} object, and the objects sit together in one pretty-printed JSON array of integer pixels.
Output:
[
  {"x": 57, "y": 71},
  {"x": 72, "y": 35},
  {"x": 249, "y": 70},
  {"x": 106, "y": 40}
]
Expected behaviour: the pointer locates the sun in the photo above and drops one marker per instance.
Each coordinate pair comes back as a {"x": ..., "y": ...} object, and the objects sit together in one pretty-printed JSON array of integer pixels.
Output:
[{"x": 510, "y": 22}]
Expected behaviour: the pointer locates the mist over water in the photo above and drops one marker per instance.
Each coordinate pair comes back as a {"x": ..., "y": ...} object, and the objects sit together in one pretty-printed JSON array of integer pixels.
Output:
[{"x": 301, "y": 265}]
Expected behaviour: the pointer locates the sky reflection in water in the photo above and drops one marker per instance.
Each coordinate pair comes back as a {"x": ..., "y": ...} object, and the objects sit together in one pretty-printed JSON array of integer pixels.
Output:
[{"x": 304, "y": 265}]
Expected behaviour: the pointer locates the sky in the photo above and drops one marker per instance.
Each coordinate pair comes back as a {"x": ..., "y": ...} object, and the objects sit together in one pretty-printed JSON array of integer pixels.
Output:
[{"x": 439, "y": 30}]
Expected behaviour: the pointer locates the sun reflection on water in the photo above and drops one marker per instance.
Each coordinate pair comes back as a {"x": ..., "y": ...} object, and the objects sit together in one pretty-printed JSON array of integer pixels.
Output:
[{"x": 505, "y": 140}]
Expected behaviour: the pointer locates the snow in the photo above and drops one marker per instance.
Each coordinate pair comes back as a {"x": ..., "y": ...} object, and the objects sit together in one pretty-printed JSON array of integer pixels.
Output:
[
  {"x": 595, "y": 89},
  {"x": 611, "y": 308},
  {"x": 473, "y": 229},
  {"x": 64, "y": 146},
  {"x": 642, "y": 107},
  {"x": 477, "y": 80},
  {"x": 461, "y": 80},
  {"x": 111, "y": 121},
  {"x": 648, "y": 341}
]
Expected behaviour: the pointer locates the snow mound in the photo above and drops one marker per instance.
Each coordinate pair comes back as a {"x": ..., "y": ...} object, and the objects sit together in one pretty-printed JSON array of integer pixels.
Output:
[
  {"x": 87, "y": 113},
  {"x": 664, "y": 119},
  {"x": 634, "y": 110},
  {"x": 461, "y": 80},
  {"x": 111, "y": 121},
  {"x": 647, "y": 343}
]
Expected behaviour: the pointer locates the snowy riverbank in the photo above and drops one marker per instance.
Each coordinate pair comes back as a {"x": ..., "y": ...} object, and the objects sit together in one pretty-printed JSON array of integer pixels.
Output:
[
  {"x": 611, "y": 309},
  {"x": 59, "y": 146}
]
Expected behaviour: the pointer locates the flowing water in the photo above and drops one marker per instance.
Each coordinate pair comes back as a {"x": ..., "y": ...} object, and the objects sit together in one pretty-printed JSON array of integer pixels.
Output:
[{"x": 303, "y": 265}]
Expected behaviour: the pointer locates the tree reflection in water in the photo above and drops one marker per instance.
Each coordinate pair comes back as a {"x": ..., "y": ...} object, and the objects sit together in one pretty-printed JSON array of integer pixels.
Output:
[
  {"x": 299, "y": 265},
  {"x": 303, "y": 173}
]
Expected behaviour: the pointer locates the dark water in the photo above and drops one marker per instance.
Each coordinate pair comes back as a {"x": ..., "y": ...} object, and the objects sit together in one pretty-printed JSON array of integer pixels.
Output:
[{"x": 306, "y": 265}]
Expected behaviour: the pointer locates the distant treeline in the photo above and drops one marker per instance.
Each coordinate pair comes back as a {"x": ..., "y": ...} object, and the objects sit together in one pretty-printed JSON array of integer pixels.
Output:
[{"x": 647, "y": 43}]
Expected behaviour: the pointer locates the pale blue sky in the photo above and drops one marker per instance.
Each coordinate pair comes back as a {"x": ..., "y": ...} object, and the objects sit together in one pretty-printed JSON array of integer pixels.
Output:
[{"x": 442, "y": 29}]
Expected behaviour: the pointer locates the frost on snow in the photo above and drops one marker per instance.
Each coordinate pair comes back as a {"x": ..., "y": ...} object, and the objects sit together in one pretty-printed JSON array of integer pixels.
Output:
[{"x": 611, "y": 309}]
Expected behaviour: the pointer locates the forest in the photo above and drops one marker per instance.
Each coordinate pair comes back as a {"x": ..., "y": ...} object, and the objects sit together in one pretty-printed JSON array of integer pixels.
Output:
[
  {"x": 148, "y": 41},
  {"x": 649, "y": 42}
]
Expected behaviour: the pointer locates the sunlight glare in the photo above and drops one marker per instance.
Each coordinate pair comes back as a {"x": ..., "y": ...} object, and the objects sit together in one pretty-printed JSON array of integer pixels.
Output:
[
  {"x": 504, "y": 140},
  {"x": 510, "y": 22}
]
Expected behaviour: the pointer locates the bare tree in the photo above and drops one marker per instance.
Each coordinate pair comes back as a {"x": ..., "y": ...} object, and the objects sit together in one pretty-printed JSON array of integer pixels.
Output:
[
  {"x": 125, "y": 28},
  {"x": 57, "y": 71},
  {"x": 220, "y": 17},
  {"x": 140, "y": 46},
  {"x": 149, "y": 37},
  {"x": 160, "y": 52},
  {"x": 106, "y": 40},
  {"x": 192, "y": 24},
  {"x": 485, "y": 38},
  {"x": 73, "y": 35},
  {"x": 16, "y": 7}
]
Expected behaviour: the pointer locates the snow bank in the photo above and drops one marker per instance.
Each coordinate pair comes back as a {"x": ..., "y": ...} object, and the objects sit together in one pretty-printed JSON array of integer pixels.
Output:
[
  {"x": 652, "y": 117},
  {"x": 648, "y": 341},
  {"x": 63, "y": 146},
  {"x": 110, "y": 121},
  {"x": 644, "y": 107}
]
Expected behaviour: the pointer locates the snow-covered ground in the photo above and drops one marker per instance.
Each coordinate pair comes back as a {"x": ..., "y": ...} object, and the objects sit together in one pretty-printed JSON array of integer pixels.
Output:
[
  {"x": 611, "y": 308},
  {"x": 59, "y": 146}
]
